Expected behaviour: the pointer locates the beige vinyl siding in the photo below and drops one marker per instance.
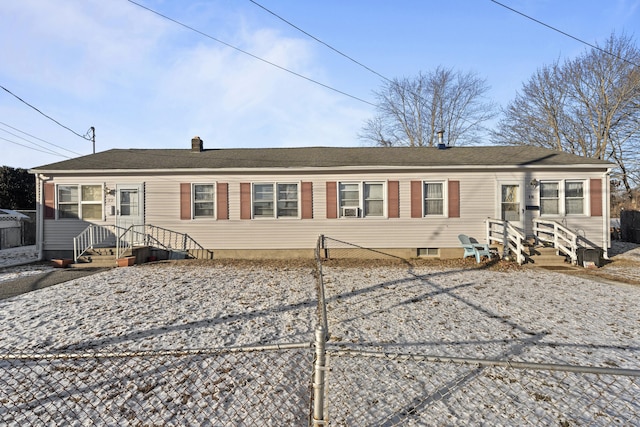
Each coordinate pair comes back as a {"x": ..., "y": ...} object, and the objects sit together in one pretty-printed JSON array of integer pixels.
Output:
[
  {"x": 478, "y": 201},
  {"x": 59, "y": 233}
]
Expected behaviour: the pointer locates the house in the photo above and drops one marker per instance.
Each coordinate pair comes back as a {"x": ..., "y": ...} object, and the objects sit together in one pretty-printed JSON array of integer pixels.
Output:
[
  {"x": 275, "y": 202},
  {"x": 11, "y": 234}
]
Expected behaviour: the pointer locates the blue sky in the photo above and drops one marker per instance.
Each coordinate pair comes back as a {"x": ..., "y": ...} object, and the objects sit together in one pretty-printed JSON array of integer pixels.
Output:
[{"x": 145, "y": 82}]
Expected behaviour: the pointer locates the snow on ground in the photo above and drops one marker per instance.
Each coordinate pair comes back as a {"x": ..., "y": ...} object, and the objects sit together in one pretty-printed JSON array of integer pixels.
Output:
[
  {"x": 20, "y": 255},
  {"x": 527, "y": 315},
  {"x": 164, "y": 306}
]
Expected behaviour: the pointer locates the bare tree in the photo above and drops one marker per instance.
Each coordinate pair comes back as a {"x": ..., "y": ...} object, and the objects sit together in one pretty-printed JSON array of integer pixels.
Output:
[
  {"x": 411, "y": 111},
  {"x": 588, "y": 106}
]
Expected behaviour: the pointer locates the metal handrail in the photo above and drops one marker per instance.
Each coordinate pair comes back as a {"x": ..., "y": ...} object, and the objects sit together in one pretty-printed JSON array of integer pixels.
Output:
[
  {"x": 125, "y": 238},
  {"x": 93, "y": 236},
  {"x": 163, "y": 238}
]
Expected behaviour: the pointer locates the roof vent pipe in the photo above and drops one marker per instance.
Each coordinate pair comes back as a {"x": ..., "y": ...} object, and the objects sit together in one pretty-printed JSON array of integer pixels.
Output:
[
  {"x": 441, "y": 145},
  {"x": 196, "y": 144}
]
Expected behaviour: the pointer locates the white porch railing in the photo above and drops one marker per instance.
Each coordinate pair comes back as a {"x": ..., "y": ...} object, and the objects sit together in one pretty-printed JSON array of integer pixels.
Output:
[
  {"x": 511, "y": 239},
  {"x": 564, "y": 240},
  {"x": 95, "y": 236}
]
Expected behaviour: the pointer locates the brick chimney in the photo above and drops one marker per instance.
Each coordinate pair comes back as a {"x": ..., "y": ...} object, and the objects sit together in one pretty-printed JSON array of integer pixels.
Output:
[{"x": 196, "y": 144}]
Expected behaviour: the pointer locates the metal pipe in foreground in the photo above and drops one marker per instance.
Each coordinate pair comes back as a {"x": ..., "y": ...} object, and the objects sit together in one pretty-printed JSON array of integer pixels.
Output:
[{"x": 318, "y": 378}]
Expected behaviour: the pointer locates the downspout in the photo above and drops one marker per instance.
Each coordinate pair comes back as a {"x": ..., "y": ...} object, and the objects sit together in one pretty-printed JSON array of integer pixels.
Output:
[
  {"x": 40, "y": 216},
  {"x": 606, "y": 210}
]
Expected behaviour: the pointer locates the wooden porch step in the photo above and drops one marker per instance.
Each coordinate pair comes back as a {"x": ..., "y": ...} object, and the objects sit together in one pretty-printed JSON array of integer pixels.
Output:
[{"x": 541, "y": 256}]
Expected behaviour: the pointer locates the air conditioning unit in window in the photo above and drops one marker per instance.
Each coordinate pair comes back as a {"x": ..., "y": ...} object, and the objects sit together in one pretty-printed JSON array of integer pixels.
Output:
[{"x": 350, "y": 212}]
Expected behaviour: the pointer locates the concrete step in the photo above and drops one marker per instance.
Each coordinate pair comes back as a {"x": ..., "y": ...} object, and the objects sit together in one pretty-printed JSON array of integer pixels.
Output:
[
  {"x": 99, "y": 257},
  {"x": 95, "y": 261},
  {"x": 101, "y": 251}
]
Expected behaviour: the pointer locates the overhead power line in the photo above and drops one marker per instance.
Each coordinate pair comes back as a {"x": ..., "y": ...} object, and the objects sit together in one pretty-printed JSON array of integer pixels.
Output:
[
  {"x": 48, "y": 117},
  {"x": 251, "y": 54},
  {"x": 35, "y": 149},
  {"x": 565, "y": 33},
  {"x": 35, "y": 137},
  {"x": 30, "y": 142},
  {"x": 417, "y": 94},
  {"x": 320, "y": 41}
]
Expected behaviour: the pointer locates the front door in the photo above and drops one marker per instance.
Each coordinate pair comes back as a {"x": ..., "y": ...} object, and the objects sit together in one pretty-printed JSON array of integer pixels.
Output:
[
  {"x": 129, "y": 205},
  {"x": 511, "y": 208}
]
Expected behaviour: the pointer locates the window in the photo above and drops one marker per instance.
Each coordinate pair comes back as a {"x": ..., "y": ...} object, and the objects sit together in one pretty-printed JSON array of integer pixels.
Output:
[
  {"x": 203, "y": 205},
  {"x": 361, "y": 199},
  {"x": 433, "y": 198},
  {"x": 549, "y": 198},
  {"x": 562, "y": 198},
  {"x": 68, "y": 201},
  {"x": 574, "y": 197},
  {"x": 288, "y": 200},
  {"x": 428, "y": 252},
  {"x": 278, "y": 200},
  {"x": 84, "y": 201},
  {"x": 373, "y": 199}
]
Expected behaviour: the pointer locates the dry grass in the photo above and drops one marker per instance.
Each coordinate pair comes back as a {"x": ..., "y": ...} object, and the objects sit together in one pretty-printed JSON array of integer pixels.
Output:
[{"x": 468, "y": 263}]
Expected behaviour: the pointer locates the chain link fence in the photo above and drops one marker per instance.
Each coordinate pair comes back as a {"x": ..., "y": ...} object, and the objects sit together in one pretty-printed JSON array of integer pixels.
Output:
[
  {"x": 328, "y": 248},
  {"x": 412, "y": 390},
  {"x": 267, "y": 385},
  {"x": 385, "y": 389},
  {"x": 317, "y": 383}
]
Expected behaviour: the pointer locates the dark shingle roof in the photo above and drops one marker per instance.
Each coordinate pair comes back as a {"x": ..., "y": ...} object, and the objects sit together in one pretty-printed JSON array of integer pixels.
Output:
[{"x": 320, "y": 157}]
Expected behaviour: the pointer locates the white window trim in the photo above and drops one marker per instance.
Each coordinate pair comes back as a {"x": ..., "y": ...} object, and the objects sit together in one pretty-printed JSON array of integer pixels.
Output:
[
  {"x": 275, "y": 200},
  {"x": 193, "y": 202},
  {"x": 80, "y": 202},
  {"x": 360, "y": 206},
  {"x": 445, "y": 198},
  {"x": 562, "y": 205}
]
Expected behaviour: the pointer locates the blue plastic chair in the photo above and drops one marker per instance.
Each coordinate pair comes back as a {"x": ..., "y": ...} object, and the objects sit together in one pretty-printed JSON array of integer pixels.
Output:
[{"x": 474, "y": 248}]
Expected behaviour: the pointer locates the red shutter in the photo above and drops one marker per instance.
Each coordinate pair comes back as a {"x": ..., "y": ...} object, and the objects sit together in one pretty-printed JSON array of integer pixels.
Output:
[
  {"x": 307, "y": 200},
  {"x": 185, "y": 201},
  {"x": 595, "y": 193},
  {"x": 332, "y": 200},
  {"x": 49, "y": 200},
  {"x": 454, "y": 199},
  {"x": 416, "y": 199},
  {"x": 393, "y": 190},
  {"x": 245, "y": 200},
  {"x": 222, "y": 200}
]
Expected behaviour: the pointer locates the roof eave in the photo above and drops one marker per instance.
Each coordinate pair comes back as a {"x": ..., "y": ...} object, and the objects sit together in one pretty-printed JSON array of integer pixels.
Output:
[{"x": 314, "y": 168}]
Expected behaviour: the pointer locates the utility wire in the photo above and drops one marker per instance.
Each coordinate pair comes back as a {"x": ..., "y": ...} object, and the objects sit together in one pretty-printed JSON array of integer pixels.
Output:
[
  {"x": 320, "y": 41},
  {"x": 30, "y": 142},
  {"x": 252, "y": 55},
  {"x": 48, "y": 117},
  {"x": 35, "y": 137},
  {"x": 35, "y": 149},
  {"x": 416, "y": 94},
  {"x": 564, "y": 33}
]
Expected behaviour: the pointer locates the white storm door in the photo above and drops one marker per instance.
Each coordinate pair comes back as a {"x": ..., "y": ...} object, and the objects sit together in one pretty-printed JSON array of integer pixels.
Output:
[
  {"x": 129, "y": 205},
  {"x": 511, "y": 204}
]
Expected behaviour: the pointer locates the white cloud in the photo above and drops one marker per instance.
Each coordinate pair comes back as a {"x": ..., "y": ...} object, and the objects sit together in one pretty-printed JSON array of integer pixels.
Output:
[{"x": 143, "y": 81}]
